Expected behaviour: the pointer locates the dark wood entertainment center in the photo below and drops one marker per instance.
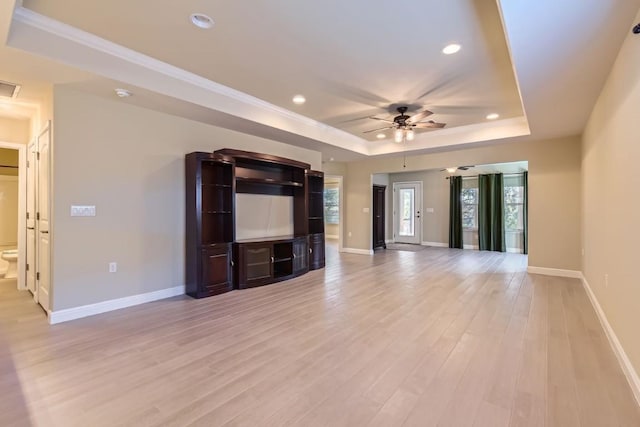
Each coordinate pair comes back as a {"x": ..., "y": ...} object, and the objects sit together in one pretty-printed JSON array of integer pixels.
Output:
[{"x": 215, "y": 261}]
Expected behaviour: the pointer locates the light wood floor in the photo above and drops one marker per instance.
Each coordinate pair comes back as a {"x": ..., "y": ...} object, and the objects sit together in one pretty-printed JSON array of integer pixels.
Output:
[{"x": 435, "y": 337}]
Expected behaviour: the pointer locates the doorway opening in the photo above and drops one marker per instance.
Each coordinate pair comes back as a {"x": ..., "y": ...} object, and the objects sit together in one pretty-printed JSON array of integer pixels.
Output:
[
  {"x": 12, "y": 214},
  {"x": 333, "y": 215}
]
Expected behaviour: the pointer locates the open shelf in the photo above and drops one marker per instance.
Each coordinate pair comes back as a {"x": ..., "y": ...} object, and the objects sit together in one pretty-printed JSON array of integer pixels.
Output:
[{"x": 268, "y": 181}]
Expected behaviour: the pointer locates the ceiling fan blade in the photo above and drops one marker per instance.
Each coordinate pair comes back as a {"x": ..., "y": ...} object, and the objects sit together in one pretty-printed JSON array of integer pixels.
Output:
[
  {"x": 382, "y": 120},
  {"x": 464, "y": 168},
  {"x": 376, "y": 130},
  {"x": 419, "y": 116},
  {"x": 429, "y": 125}
]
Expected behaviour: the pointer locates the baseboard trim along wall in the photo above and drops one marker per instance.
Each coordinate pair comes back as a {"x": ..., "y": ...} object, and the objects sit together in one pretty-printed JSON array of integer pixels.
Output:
[
  {"x": 629, "y": 372},
  {"x": 473, "y": 247},
  {"x": 555, "y": 272},
  {"x": 435, "y": 244},
  {"x": 331, "y": 236},
  {"x": 357, "y": 251},
  {"x": 114, "y": 304}
]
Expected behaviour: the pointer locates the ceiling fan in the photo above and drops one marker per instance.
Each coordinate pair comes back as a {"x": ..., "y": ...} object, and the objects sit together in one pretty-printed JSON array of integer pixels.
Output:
[{"x": 405, "y": 124}]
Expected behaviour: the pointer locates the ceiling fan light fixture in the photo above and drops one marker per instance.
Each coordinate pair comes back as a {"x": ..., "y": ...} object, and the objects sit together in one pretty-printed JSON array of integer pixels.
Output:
[
  {"x": 299, "y": 99},
  {"x": 410, "y": 135},
  {"x": 452, "y": 48},
  {"x": 493, "y": 116},
  {"x": 381, "y": 136},
  {"x": 451, "y": 170},
  {"x": 398, "y": 136}
]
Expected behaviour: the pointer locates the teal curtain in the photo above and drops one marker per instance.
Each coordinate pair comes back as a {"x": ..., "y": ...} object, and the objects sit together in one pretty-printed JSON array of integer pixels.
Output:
[
  {"x": 491, "y": 213},
  {"x": 455, "y": 212},
  {"x": 525, "y": 214}
]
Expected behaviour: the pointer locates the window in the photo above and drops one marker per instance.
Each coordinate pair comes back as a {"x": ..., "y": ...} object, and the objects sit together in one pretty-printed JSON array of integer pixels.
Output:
[
  {"x": 470, "y": 203},
  {"x": 513, "y": 204},
  {"x": 332, "y": 205}
]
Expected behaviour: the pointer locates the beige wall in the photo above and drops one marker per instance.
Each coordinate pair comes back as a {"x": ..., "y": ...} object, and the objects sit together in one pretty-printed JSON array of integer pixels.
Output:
[
  {"x": 334, "y": 168},
  {"x": 435, "y": 194},
  {"x": 8, "y": 211},
  {"x": 14, "y": 130},
  {"x": 554, "y": 193},
  {"x": 610, "y": 204},
  {"x": 129, "y": 162},
  {"x": 8, "y": 157}
]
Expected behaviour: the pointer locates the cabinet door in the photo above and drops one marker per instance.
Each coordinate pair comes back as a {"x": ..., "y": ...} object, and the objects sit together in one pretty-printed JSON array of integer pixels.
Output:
[
  {"x": 316, "y": 251},
  {"x": 258, "y": 265},
  {"x": 216, "y": 271},
  {"x": 300, "y": 256}
]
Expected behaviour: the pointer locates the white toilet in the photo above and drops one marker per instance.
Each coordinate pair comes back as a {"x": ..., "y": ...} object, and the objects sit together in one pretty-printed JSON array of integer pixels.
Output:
[{"x": 11, "y": 256}]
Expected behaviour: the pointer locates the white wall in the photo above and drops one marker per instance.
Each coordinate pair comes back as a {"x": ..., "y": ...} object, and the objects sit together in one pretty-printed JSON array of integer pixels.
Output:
[
  {"x": 611, "y": 179},
  {"x": 129, "y": 162}
]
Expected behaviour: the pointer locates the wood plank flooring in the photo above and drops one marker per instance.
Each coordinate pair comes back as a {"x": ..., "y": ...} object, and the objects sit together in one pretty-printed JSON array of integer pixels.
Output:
[{"x": 434, "y": 337}]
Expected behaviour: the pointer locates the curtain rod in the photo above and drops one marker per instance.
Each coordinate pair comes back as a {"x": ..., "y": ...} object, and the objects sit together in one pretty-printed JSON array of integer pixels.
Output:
[{"x": 475, "y": 176}]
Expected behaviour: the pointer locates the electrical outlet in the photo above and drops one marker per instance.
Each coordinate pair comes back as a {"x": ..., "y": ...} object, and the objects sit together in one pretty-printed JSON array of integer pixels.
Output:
[
  {"x": 113, "y": 267},
  {"x": 606, "y": 280}
]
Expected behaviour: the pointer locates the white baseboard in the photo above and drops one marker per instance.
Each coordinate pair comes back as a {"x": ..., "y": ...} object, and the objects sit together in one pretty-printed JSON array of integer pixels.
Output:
[
  {"x": 389, "y": 241},
  {"x": 331, "y": 236},
  {"x": 472, "y": 247},
  {"x": 435, "y": 244},
  {"x": 514, "y": 250},
  {"x": 555, "y": 272},
  {"x": 357, "y": 251},
  {"x": 114, "y": 304},
  {"x": 629, "y": 372}
]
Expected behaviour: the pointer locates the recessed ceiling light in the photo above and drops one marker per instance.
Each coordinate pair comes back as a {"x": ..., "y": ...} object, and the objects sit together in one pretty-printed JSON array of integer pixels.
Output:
[
  {"x": 331, "y": 159},
  {"x": 381, "y": 136},
  {"x": 492, "y": 116},
  {"x": 451, "y": 49},
  {"x": 299, "y": 99},
  {"x": 123, "y": 93},
  {"x": 201, "y": 20}
]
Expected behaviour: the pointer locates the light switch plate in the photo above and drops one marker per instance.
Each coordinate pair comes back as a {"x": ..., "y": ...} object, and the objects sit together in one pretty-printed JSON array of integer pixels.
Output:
[
  {"x": 429, "y": 210},
  {"x": 365, "y": 210},
  {"x": 84, "y": 210}
]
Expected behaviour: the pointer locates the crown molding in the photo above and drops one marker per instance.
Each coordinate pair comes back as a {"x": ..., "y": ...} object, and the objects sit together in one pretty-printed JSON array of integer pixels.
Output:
[{"x": 44, "y": 36}]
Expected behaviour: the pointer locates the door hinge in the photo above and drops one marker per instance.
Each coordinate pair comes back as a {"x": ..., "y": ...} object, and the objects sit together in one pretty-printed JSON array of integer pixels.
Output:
[
  {"x": 27, "y": 267},
  {"x": 27, "y": 215},
  {"x": 38, "y": 216},
  {"x": 38, "y": 275},
  {"x": 28, "y": 163},
  {"x": 38, "y": 155}
]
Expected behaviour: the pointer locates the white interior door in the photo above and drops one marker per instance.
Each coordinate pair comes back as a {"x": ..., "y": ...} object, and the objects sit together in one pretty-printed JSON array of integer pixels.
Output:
[
  {"x": 407, "y": 206},
  {"x": 42, "y": 219},
  {"x": 32, "y": 240}
]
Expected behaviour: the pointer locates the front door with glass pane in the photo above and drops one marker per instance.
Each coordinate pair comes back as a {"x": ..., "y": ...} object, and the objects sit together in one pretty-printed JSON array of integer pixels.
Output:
[{"x": 407, "y": 204}]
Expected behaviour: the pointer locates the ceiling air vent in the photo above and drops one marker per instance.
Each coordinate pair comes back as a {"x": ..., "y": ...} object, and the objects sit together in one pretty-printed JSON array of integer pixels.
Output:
[{"x": 9, "y": 90}]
